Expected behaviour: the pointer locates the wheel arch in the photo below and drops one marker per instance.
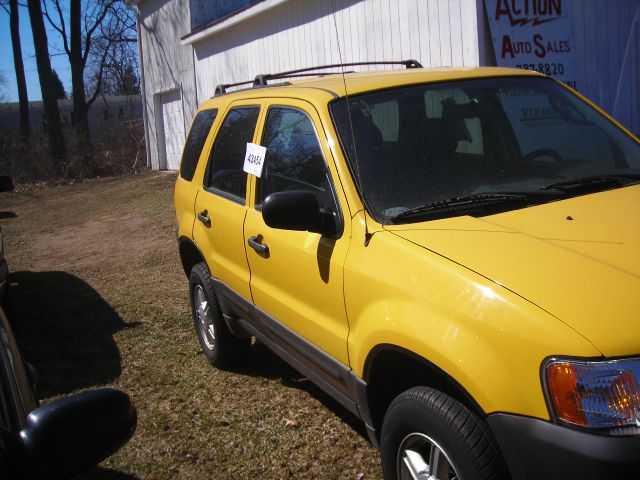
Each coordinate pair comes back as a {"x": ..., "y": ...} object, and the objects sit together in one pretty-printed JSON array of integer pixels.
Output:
[
  {"x": 390, "y": 370},
  {"x": 190, "y": 254}
]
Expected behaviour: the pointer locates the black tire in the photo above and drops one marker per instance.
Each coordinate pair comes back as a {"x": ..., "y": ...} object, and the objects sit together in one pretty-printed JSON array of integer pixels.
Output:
[
  {"x": 422, "y": 417},
  {"x": 219, "y": 345}
]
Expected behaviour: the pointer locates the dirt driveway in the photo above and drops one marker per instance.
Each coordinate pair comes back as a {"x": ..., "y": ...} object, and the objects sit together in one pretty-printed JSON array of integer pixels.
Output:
[{"x": 98, "y": 298}]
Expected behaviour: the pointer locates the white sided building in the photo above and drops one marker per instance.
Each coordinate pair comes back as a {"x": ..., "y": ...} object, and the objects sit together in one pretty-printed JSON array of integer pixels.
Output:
[{"x": 187, "y": 47}]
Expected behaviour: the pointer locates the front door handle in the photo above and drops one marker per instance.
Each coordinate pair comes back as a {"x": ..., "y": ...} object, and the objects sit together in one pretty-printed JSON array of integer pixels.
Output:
[
  {"x": 204, "y": 218},
  {"x": 261, "y": 248}
]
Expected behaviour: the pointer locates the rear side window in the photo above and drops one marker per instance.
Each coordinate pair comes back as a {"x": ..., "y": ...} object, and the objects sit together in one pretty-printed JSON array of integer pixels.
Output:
[
  {"x": 225, "y": 173},
  {"x": 195, "y": 141}
]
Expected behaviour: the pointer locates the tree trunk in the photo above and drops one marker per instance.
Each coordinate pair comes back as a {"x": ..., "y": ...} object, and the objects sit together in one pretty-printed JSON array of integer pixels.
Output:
[
  {"x": 57, "y": 146},
  {"x": 80, "y": 107},
  {"x": 25, "y": 127}
]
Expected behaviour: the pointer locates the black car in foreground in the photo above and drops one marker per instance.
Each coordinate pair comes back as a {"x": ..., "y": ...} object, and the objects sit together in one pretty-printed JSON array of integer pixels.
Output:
[{"x": 62, "y": 438}]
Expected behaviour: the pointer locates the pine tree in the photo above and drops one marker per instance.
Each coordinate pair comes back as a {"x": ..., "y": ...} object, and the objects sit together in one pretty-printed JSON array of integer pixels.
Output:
[
  {"x": 130, "y": 84},
  {"x": 58, "y": 86}
]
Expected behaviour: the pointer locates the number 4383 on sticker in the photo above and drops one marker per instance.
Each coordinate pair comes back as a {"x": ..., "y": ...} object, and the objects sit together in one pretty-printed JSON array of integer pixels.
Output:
[{"x": 254, "y": 159}]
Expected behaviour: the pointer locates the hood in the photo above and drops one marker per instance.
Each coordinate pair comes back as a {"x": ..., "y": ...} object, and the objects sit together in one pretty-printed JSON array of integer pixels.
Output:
[{"x": 578, "y": 259}]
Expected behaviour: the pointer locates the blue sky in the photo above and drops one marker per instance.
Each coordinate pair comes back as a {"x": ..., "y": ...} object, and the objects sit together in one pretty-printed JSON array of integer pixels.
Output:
[{"x": 59, "y": 60}]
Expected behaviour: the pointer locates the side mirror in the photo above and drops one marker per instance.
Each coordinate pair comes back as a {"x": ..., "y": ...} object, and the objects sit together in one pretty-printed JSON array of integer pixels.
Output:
[
  {"x": 297, "y": 210},
  {"x": 70, "y": 435},
  {"x": 6, "y": 183}
]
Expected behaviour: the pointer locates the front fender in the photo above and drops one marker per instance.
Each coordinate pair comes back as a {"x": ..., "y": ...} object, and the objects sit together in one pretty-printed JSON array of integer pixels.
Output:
[{"x": 488, "y": 339}]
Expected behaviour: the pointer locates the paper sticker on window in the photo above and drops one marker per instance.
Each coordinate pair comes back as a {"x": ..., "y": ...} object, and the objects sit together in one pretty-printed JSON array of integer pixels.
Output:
[{"x": 254, "y": 159}]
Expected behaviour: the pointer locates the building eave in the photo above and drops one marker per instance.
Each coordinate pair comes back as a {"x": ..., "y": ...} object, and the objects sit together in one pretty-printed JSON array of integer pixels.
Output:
[{"x": 228, "y": 22}]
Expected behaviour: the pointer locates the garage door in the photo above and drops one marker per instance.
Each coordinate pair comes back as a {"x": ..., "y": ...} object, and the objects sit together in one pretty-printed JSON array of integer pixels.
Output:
[{"x": 173, "y": 123}]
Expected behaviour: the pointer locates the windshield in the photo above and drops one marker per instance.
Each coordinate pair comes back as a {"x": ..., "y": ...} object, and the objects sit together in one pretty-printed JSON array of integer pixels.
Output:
[{"x": 418, "y": 145}]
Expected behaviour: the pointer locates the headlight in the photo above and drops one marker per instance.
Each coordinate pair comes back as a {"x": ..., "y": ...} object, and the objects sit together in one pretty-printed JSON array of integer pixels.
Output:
[{"x": 595, "y": 394}]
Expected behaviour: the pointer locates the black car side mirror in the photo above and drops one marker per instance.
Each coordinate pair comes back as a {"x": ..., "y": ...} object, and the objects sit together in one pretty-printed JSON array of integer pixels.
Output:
[
  {"x": 297, "y": 210},
  {"x": 70, "y": 435},
  {"x": 6, "y": 183}
]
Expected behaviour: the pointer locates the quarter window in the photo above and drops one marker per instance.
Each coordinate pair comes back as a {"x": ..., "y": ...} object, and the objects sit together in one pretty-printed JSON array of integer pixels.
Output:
[
  {"x": 294, "y": 159},
  {"x": 225, "y": 173},
  {"x": 195, "y": 141}
]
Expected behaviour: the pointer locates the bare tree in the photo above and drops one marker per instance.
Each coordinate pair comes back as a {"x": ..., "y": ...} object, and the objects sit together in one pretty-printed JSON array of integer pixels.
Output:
[
  {"x": 119, "y": 73},
  {"x": 104, "y": 21},
  {"x": 57, "y": 145},
  {"x": 11, "y": 7}
]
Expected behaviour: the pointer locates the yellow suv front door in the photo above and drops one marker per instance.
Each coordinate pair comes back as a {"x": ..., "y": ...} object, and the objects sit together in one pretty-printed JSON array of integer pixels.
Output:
[{"x": 298, "y": 282}]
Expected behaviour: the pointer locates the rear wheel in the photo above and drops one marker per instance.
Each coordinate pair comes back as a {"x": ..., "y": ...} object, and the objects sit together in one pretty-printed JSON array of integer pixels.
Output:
[
  {"x": 427, "y": 435},
  {"x": 220, "y": 346}
]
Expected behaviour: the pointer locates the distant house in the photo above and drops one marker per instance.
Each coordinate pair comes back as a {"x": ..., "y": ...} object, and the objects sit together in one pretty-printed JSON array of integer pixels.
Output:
[
  {"x": 107, "y": 111},
  {"x": 188, "y": 46}
]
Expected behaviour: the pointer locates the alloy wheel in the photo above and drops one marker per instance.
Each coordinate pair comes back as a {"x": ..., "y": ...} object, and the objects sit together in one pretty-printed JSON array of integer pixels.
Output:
[
  {"x": 205, "y": 318},
  {"x": 421, "y": 458}
]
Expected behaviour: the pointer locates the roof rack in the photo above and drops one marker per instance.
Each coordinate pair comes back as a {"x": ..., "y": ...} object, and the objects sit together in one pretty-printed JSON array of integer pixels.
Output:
[{"x": 262, "y": 79}]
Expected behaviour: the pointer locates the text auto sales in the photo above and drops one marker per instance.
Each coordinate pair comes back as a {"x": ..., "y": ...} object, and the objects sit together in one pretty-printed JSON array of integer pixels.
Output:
[{"x": 532, "y": 13}]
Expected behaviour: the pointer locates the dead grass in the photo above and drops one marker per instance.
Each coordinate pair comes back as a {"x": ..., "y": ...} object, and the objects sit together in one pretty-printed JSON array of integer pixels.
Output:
[{"x": 98, "y": 297}]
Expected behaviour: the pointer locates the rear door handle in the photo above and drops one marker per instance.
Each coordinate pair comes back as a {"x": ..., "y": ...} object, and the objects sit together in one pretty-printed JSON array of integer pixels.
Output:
[
  {"x": 204, "y": 218},
  {"x": 261, "y": 248}
]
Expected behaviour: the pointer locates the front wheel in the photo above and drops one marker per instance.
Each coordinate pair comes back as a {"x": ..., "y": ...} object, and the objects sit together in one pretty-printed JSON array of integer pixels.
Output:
[
  {"x": 427, "y": 435},
  {"x": 220, "y": 346}
]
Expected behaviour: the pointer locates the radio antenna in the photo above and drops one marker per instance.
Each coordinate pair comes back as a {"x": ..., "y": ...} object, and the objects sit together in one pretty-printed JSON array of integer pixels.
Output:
[{"x": 367, "y": 235}]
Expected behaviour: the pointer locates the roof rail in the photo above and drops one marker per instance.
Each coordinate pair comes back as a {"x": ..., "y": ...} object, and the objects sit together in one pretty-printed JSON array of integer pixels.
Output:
[{"x": 262, "y": 79}]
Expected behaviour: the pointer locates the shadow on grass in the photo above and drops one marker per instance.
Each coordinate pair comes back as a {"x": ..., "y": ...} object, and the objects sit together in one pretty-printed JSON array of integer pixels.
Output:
[
  {"x": 65, "y": 330},
  {"x": 104, "y": 474},
  {"x": 264, "y": 363}
]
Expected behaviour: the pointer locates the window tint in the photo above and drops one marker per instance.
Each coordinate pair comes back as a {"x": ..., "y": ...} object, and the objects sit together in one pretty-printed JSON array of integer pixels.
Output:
[
  {"x": 195, "y": 141},
  {"x": 294, "y": 160},
  {"x": 227, "y": 155}
]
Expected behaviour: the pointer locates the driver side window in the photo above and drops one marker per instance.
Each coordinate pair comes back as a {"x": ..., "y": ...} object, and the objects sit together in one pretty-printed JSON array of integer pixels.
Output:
[{"x": 294, "y": 159}]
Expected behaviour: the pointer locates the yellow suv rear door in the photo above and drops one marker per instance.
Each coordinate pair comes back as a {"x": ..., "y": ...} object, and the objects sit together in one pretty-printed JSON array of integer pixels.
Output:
[{"x": 221, "y": 203}]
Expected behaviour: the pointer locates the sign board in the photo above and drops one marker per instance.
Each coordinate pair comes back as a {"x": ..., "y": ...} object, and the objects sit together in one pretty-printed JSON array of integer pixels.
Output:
[
  {"x": 533, "y": 35},
  {"x": 254, "y": 159}
]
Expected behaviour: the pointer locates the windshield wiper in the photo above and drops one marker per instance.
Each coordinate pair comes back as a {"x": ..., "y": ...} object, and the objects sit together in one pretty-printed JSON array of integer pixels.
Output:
[
  {"x": 595, "y": 182},
  {"x": 461, "y": 205}
]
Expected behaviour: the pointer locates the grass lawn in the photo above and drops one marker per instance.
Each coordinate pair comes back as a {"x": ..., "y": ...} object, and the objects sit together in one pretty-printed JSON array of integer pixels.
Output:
[{"x": 98, "y": 297}]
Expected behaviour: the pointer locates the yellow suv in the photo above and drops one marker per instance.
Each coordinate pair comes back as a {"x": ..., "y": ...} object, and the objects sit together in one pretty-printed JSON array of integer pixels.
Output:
[{"x": 453, "y": 255}]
